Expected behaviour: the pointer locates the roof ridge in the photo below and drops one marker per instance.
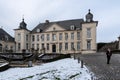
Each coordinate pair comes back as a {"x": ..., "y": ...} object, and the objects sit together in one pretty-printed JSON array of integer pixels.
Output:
[{"x": 62, "y": 21}]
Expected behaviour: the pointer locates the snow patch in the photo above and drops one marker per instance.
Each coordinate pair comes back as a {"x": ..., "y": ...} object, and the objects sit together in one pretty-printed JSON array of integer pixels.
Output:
[{"x": 65, "y": 69}]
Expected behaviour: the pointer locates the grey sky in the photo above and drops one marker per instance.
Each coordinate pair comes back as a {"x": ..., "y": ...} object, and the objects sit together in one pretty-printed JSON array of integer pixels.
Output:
[{"x": 37, "y": 11}]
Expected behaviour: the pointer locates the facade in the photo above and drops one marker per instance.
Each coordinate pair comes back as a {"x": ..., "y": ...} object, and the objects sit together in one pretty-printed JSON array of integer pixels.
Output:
[
  {"x": 7, "y": 43},
  {"x": 68, "y": 36},
  {"x": 119, "y": 42}
]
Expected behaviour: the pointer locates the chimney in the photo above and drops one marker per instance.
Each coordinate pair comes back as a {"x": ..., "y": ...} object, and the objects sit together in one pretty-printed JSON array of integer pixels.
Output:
[{"x": 47, "y": 21}]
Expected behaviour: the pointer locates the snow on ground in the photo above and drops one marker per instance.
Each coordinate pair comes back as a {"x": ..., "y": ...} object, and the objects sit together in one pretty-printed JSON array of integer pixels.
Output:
[{"x": 65, "y": 69}]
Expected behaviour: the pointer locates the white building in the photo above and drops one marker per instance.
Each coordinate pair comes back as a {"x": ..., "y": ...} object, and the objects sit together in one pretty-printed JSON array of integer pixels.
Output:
[{"x": 68, "y": 36}]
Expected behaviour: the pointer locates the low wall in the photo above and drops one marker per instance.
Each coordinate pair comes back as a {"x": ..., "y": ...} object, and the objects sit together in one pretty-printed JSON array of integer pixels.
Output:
[
  {"x": 53, "y": 57},
  {"x": 4, "y": 66}
]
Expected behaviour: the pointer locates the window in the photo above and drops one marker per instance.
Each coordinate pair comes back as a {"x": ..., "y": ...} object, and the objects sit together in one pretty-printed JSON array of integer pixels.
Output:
[
  {"x": 88, "y": 32},
  {"x": 78, "y": 35},
  {"x": 33, "y": 38},
  {"x": 37, "y": 46},
  {"x": 78, "y": 45},
  {"x": 27, "y": 46},
  {"x": 54, "y": 29},
  {"x": 66, "y": 46},
  {"x": 72, "y": 35},
  {"x": 72, "y": 46},
  {"x": 19, "y": 46},
  {"x": 11, "y": 47},
  {"x": 72, "y": 27},
  {"x": 43, "y": 46},
  {"x": 60, "y": 47},
  {"x": 42, "y": 37},
  {"x": 66, "y": 36},
  {"x": 26, "y": 37},
  {"x": 47, "y": 46},
  {"x": 6, "y": 37},
  {"x": 38, "y": 30},
  {"x": 89, "y": 45},
  {"x": 19, "y": 37},
  {"x": 60, "y": 36},
  {"x": 48, "y": 37},
  {"x": 37, "y": 37},
  {"x": 53, "y": 37},
  {"x": 32, "y": 45}
]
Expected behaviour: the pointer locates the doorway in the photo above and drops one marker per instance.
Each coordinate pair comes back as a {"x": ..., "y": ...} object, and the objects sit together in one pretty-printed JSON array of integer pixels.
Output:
[{"x": 53, "y": 48}]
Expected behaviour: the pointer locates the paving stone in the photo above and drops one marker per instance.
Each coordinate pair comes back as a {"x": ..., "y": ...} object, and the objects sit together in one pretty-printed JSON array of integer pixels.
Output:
[{"x": 97, "y": 64}]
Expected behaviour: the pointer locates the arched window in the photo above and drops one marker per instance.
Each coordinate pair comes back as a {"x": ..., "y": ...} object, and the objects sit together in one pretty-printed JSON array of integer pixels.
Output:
[{"x": 0, "y": 47}]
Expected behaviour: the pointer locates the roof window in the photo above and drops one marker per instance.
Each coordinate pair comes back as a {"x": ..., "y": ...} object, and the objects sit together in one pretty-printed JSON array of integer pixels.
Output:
[
  {"x": 72, "y": 27},
  {"x": 38, "y": 30}
]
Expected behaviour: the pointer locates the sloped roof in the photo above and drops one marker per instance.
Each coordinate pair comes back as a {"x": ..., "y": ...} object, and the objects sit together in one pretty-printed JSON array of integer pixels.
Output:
[
  {"x": 4, "y": 34},
  {"x": 65, "y": 24}
]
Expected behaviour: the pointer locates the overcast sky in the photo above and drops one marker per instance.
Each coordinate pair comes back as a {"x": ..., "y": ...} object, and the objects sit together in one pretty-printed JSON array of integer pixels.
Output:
[{"x": 107, "y": 12}]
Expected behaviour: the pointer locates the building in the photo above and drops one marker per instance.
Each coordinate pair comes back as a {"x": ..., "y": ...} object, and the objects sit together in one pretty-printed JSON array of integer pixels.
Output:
[
  {"x": 119, "y": 42},
  {"x": 68, "y": 36},
  {"x": 7, "y": 43}
]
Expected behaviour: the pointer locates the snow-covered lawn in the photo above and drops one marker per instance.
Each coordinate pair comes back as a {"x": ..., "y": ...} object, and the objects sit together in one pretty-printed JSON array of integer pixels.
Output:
[{"x": 65, "y": 69}]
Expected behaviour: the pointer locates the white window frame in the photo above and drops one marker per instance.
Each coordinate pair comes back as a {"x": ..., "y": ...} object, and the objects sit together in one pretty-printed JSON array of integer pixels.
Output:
[
  {"x": 38, "y": 38},
  {"x": 78, "y": 45},
  {"x": 60, "y": 36},
  {"x": 66, "y": 36},
  {"x": 53, "y": 37},
  {"x": 66, "y": 46},
  {"x": 88, "y": 44},
  {"x": 72, "y": 45},
  {"x": 19, "y": 37},
  {"x": 78, "y": 35},
  {"x": 88, "y": 32},
  {"x": 42, "y": 37},
  {"x": 72, "y": 35},
  {"x": 48, "y": 37}
]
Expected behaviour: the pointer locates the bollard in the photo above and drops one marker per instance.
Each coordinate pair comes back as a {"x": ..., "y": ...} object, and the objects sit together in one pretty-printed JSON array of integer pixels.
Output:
[
  {"x": 74, "y": 56},
  {"x": 30, "y": 64},
  {"x": 78, "y": 60},
  {"x": 81, "y": 63},
  {"x": 92, "y": 78}
]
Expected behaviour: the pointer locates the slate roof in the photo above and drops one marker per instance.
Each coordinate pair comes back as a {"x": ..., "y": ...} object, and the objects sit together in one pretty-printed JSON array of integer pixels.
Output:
[
  {"x": 4, "y": 34},
  {"x": 65, "y": 24}
]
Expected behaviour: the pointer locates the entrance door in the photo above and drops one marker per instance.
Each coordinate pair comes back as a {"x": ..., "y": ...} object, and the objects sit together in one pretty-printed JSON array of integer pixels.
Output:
[{"x": 53, "y": 48}]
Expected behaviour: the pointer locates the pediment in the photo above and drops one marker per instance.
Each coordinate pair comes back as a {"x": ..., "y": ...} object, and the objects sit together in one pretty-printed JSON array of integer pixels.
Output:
[{"x": 54, "y": 27}]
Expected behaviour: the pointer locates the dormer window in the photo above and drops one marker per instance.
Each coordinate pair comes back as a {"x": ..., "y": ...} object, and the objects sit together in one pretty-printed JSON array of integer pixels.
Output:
[
  {"x": 38, "y": 30},
  {"x": 6, "y": 37},
  {"x": 88, "y": 20},
  {"x": 72, "y": 27}
]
